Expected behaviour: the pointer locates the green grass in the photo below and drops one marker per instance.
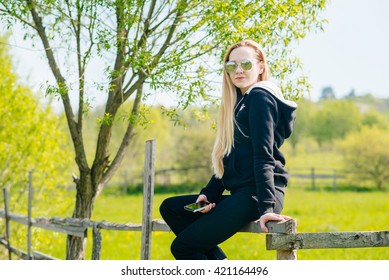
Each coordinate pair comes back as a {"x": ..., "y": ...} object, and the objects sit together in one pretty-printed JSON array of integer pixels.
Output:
[{"x": 315, "y": 211}]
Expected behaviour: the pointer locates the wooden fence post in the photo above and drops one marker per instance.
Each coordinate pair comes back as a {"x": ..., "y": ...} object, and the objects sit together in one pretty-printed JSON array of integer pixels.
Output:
[
  {"x": 29, "y": 223},
  {"x": 148, "y": 193},
  {"x": 7, "y": 228},
  {"x": 292, "y": 253},
  {"x": 334, "y": 181},
  {"x": 313, "y": 178},
  {"x": 97, "y": 240}
]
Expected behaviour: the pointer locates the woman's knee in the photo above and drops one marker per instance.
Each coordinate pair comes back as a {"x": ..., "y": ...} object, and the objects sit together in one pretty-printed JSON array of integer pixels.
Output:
[
  {"x": 165, "y": 206},
  {"x": 175, "y": 205},
  {"x": 184, "y": 250},
  {"x": 178, "y": 249},
  {"x": 175, "y": 248}
]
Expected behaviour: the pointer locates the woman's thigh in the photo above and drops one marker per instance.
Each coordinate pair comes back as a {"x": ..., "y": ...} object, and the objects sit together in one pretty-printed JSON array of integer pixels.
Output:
[
  {"x": 174, "y": 214},
  {"x": 223, "y": 221}
]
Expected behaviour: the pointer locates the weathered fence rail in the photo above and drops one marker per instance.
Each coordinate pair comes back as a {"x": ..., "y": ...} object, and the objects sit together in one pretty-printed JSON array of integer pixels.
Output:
[
  {"x": 282, "y": 236},
  {"x": 25, "y": 255},
  {"x": 325, "y": 240}
]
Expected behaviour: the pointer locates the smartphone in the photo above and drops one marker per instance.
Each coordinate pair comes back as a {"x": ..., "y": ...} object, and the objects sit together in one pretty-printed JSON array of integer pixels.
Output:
[{"x": 196, "y": 207}]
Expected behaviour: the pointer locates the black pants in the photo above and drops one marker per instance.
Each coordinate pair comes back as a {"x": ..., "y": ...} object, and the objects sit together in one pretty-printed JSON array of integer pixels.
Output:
[{"x": 198, "y": 234}]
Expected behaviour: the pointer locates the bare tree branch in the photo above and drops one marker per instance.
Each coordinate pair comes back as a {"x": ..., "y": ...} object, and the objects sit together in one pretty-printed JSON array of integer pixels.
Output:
[
  {"x": 157, "y": 25},
  {"x": 166, "y": 44},
  {"x": 115, "y": 93},
  {"x": 125, "y": 141},
  {"x": 64, "y": 92}
]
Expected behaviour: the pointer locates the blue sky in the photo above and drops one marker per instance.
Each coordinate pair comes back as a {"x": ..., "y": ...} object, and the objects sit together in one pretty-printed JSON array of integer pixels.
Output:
[
  {"x": 351, "y": 53},
  {"x": 353, "y": 50}
]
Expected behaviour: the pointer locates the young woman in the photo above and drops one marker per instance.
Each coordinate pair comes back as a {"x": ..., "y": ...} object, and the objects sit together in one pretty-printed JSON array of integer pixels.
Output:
[{"x": 254, "y": 121}]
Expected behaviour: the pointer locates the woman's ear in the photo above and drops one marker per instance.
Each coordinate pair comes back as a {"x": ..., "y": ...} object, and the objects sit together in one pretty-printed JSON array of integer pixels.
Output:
[
  {"x": 261, "y": 70},
  {"x": 261, "y": 67}
]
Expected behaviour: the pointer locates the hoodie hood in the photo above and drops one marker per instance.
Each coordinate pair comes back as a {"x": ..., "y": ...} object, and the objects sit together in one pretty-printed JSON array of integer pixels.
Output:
[
  {"x": 287, "y": 107},
  {"x": 274, "y": 90}
]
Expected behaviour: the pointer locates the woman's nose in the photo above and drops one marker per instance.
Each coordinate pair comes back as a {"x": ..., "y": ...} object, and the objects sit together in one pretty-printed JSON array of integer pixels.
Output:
[{"x": 239, "y": 69}]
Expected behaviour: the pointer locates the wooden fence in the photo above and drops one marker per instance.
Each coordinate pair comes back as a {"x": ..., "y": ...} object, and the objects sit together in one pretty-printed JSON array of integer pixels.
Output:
[
  {"x": 282, "y": 236},
  {"x": 312, "y": 177}
]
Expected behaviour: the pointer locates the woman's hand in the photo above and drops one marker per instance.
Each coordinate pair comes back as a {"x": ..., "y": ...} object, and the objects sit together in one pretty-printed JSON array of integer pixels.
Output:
[
  {"x": 203, "y": 197},
  {"x": 271, "y": 217}
]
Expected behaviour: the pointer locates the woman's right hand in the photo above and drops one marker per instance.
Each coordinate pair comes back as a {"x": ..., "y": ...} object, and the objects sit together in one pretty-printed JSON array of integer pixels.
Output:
[
  {"x": 203, "y": 197},
  {"x": 271, "y": 217}
]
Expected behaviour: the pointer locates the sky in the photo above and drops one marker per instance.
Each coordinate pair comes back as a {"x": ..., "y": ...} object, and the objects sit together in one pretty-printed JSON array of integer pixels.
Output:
[{"x": 352, "y": 53}]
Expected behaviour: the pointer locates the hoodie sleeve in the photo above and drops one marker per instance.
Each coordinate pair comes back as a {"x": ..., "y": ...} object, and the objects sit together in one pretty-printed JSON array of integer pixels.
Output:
[
  {"x": 213, "y": 190},
  {"x": 263, "y": 116}
]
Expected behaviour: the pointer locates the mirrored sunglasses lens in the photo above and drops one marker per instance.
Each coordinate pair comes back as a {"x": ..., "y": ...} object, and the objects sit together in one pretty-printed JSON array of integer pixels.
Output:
[
  {"x": 231, "y": 67},
  {"x": 246, "y": 65}
]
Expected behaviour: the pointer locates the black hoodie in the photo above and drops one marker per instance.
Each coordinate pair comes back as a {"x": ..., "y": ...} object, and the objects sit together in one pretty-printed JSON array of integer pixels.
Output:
[{"x": 263, "y": 120}]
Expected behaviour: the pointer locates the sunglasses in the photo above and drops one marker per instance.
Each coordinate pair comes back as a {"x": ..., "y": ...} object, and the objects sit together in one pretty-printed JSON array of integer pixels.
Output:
[{"x": 231, "y": 66}]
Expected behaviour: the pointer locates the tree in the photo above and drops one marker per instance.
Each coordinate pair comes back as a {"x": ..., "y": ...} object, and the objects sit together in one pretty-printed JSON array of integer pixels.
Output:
[
  {"x": 31, "y": 140},
  {"x": 366, "y": 154},
  {"x": 194, "y": 147},
  {"x": 303, "y": 122},
  {"x": 374, "y": 118},
  {"x": 334, "y": 120},
  {"x": 158, "y": 127},
  {"x": 327, "y": 93},
  {"x": 350, "y": 95},
  {"x": 149, "y": 47}
]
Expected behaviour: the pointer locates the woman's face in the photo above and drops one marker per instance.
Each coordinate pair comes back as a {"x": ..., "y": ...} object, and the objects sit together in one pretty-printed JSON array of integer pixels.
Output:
[{"x": 244, "y": 79}]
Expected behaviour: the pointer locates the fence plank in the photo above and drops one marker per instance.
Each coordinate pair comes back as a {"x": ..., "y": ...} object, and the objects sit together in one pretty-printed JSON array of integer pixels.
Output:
[
  {"x": 29, "y": 212},
  {"x": 85, "y": 223},
  {"x": 160, "y": 225},
  {"x": 148, "y": 194},
  {"x": 274, "y": 227},
  {"x": 7, "y": 218},
  {"x": 71, "y": 226},
  {"x": 70, "y": 230},
  {"x": 320, "y": 240},
  {"x": 253, "y": 227},
  {"x": 116, "y": 226},
  {"x": 45, "y": 223},
  {"x": 41, "y": 256},
  {"x": 23, "y": 255}
]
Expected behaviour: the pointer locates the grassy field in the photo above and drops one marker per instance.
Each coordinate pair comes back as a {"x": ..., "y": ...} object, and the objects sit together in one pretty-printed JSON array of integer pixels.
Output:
[{"x": 315, "y": 211}]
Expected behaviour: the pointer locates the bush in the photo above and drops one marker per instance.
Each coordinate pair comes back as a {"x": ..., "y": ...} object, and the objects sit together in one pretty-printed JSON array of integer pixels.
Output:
[{"x": 366, "y": 153}]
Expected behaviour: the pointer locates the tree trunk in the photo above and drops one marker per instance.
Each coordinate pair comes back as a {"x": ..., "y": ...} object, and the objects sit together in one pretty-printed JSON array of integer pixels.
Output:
[
  {"x": 379, "y": 185},
  {"x": 85, "y": 198}
]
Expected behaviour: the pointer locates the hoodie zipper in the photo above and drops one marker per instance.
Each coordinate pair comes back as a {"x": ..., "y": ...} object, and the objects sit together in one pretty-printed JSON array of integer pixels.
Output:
[{"x": 237, "y": 113}]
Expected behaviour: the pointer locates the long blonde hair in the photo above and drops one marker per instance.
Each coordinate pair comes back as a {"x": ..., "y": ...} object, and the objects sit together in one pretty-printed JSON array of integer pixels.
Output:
[{"x": 225, "y": 130}]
